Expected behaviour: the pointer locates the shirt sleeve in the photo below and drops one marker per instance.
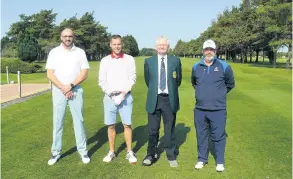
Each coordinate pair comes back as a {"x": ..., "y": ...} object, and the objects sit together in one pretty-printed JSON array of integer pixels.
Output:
[
  {"x": 229, "y": 79},
  {"x": 102, "y": 79},
  {"x": 50, "y": 61},
  {"x": 193, "y": 79},
  {"x": 146, "y": 72},
  {"x": 131, "y": 74},
  {"x": 84, "y": 62}
]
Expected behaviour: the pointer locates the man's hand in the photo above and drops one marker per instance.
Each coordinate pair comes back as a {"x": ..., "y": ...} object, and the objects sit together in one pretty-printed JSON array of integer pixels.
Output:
[
  {"x": 69, "y": 95},
  {"x": 65, "y": 88},
  {"x": 118, "y": 99},
  {"x": 123, "y": 93}
]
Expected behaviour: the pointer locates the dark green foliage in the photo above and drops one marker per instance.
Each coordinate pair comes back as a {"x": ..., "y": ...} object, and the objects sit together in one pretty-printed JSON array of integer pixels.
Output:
[
  {"x": 27, "y": 47},
  {"x": 147, "y": 52},
  {"x": 15, "y": 65},
  {"x": 255, "y": 26},
  {"x": 130, "y": 45},
  {"x": 45, "y": 35}
]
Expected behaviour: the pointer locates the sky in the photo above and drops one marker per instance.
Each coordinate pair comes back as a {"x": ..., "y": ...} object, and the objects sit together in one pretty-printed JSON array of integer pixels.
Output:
[{"x": 145, "y": 20}]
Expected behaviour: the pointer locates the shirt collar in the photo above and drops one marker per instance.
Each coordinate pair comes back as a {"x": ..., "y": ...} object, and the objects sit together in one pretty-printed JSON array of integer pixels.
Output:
[
  {"x": 160, "y": 57},
  {"x": 121, "y": 55},
  {"x": 72, "y": 48}
]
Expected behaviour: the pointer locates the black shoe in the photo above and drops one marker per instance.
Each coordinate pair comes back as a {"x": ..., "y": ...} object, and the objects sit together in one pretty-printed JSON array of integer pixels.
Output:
[{"x": 148, "y": 160}]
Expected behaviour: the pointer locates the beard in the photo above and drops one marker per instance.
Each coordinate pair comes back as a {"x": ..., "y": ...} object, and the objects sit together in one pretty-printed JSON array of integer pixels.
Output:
[
  {"x": 209, "y": 57},
  {"x": 67, "y": 43}
]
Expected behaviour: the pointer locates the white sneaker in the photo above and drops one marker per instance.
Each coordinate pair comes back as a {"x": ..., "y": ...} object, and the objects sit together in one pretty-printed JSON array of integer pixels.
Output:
[
  {"x": 200, "y": 165},
  {"x": 85, "y": 159},
  {"x": 54, "y": 159},
  {"x": 130, "y": 156},
  {"x": 109, "y": 157},
  {"x": 220, "y": 167},
  {"x": 173, "y": 163}
]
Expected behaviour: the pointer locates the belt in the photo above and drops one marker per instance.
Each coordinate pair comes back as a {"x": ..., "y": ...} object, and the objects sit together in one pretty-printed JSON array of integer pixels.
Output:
[
  {"x": 117, "y": 93},
  {"x": 164, "y": 94}
]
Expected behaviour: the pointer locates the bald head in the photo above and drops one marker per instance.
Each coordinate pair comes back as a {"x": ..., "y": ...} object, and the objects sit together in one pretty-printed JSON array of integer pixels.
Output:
[
  {"x": 67, "y": 31},
  {"x": 67, "y": 37}
]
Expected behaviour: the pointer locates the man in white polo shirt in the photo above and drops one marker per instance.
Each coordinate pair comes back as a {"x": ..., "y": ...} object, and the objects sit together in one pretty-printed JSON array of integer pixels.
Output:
[
  {"x": 117, "y": 75},
  {"x": 67, "y": 67}
]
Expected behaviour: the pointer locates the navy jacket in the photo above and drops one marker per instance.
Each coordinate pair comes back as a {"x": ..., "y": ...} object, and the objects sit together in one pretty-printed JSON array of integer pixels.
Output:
[{"x": 212, "y": 84}]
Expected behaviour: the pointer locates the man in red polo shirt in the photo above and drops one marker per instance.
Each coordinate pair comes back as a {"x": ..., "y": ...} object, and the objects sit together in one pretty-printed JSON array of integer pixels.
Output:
[{"x": 117, "y": 75}]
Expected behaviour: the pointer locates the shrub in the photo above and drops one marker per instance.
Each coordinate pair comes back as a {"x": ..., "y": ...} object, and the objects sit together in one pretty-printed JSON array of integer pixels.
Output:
[{"x": 15, "y": 65}]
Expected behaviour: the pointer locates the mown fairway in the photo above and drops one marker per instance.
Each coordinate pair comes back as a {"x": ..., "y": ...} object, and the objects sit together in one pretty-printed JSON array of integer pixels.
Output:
[{"x": 259, "y": 128}]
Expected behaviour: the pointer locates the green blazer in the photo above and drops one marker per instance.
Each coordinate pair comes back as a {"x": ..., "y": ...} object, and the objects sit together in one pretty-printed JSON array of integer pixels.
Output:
[{"x": 174, "y": 78}]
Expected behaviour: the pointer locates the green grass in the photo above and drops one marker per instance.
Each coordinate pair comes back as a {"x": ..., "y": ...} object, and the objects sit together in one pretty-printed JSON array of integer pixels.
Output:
[
  {"x": 26, "y": 78},
  {"x": 258, "y": 126},
  {"x": 39, "y": 77}
]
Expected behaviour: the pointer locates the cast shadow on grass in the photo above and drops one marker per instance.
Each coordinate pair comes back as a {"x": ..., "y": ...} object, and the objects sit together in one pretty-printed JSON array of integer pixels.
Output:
[
  {"x": 100, "y": 138},
  {"x": 181, "y": 132},
  {"x": 139, "y": 135}
]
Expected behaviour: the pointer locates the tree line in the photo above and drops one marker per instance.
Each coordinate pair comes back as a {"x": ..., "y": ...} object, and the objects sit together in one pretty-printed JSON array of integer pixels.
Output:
[
  {"x": 33, "y": 36},
  {"x": 256, "y": 26}
]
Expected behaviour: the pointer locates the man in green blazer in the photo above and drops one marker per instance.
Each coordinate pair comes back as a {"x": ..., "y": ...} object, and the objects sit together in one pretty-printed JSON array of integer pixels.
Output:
[{"x": 163, "y": 76}]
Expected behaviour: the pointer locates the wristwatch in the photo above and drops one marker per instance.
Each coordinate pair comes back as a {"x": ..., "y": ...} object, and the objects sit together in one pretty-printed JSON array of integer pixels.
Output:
[{"x": 72, "y": 85}]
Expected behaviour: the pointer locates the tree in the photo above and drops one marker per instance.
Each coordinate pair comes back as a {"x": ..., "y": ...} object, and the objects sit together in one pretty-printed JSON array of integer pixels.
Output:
[
  {"x": 89, "y": 35},
  {"x": 253, "y": 27},
  {"x": 40, "y": 26},
  {"x": 10, "y": 50},
  {"x": 45, "y": 35},
  {"x": 130, "y": 45},
  {"x": 147, "y": 52},
  {"x": 179, "y": 48},
  {"x": 27, "y": 47},
  {"x": 276, "y": 16},
  {"x": 170, "y": 51},
  {"x": 4, "y": 42}
]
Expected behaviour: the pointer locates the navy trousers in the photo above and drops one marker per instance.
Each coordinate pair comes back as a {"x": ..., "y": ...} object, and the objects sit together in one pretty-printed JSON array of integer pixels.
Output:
[
  {"x": 215, "y": 122},
  {"x": 154, "y": 120}
]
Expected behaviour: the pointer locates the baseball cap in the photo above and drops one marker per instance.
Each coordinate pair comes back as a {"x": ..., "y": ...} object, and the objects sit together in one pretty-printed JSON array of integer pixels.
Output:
[{"x": 209, "y": 44}]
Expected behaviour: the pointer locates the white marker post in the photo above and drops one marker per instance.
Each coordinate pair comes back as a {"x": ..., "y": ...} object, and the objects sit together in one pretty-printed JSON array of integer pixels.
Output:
[
  {"x": 7, "y": 74},
  {"x": 19, "y": 83}
]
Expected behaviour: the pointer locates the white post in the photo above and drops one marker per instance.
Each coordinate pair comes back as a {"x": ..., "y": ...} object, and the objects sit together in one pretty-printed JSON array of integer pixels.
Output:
[
  {"x": 7, "y": 74},
  {"x": 19, "y": 83},
  {"x": 50, "y": 84}
]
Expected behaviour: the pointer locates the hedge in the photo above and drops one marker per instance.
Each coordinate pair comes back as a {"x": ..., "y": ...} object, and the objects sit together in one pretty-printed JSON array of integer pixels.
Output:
[{"x": 15, "y": 65}]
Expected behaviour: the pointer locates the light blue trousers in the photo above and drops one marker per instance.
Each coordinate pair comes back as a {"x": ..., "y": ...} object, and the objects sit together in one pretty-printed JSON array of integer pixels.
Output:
[{"x": 76, "y": 109}]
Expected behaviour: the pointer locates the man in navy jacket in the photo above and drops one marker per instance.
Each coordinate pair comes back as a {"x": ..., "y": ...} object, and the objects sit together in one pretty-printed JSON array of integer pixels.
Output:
[{"x": 212, "y": 79}]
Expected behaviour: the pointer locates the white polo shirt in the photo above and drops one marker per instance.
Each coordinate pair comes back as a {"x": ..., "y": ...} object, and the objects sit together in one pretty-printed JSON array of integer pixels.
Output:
[
  {"x": 67, "y": 64},
  {"x": 117, "y": 74}
]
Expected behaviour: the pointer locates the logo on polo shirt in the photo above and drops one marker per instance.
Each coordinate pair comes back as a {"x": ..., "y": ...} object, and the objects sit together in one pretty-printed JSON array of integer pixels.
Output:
[{"x": 216, "y": 69}]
